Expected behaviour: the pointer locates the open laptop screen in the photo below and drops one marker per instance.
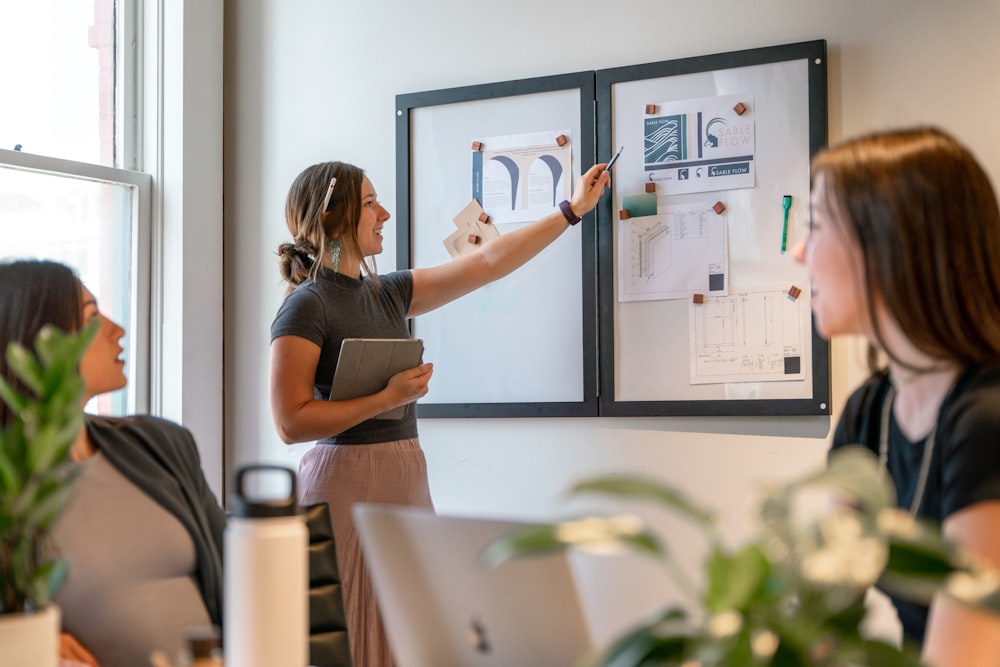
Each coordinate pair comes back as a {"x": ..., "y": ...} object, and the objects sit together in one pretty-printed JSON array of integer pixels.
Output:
[{"x": 442, "y": 607}]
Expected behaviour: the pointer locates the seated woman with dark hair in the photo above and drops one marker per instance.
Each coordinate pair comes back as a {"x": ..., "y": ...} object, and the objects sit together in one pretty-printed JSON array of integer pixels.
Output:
[
  {"x": 904, "y": 249},
  {"x": 142, "y": 534}
]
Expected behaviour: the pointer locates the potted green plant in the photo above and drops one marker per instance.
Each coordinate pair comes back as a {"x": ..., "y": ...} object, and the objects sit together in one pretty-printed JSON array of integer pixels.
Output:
[
  {"x": 791, "y": 596},
  {"x": 35, "y": 477}
]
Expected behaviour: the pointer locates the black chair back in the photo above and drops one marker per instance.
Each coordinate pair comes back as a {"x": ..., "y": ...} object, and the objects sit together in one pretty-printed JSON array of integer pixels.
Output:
[{"x": 328, "y": 644}]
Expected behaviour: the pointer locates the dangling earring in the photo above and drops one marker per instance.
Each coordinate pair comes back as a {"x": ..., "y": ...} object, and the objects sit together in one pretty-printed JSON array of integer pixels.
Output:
[{"x": 335, "y": 254}]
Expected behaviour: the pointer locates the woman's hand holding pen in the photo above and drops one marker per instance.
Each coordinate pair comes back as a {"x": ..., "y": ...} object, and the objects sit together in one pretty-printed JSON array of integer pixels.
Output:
[
  {"x": 409, "y": 385},
  {"x": 589, "y": 189}
]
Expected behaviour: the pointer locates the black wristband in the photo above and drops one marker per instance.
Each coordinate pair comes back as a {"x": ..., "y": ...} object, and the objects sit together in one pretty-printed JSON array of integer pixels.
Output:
[{"x": 567, "y": 210}]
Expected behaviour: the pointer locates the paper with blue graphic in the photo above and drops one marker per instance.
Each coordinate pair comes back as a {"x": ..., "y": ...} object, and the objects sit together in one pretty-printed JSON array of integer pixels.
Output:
[
  {"x": 523, "y": 177},
  {"x": 700, "y": 145}
]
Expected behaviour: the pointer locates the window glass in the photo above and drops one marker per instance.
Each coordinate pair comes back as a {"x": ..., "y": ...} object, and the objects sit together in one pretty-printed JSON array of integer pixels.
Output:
[
  {"x": 57, "y": 78},
  {"x": 87, "y": 225},
  {"x": 61, "y": 195}
]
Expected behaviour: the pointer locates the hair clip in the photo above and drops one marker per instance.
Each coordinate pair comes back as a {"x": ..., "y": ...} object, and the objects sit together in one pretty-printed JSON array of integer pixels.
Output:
[{"x": 329, "y": 194}]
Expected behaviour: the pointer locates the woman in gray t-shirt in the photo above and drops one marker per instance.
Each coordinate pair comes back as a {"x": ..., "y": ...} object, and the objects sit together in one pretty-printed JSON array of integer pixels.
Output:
[{"x": 336, "y": 220}]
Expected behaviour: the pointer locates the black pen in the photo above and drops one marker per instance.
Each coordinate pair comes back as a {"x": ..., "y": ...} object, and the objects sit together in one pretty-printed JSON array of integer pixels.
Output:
[{"x": 612, "y": 160}]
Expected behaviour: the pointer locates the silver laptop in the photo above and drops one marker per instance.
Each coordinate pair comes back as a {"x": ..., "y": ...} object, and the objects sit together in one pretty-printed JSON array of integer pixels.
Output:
[{"x": 443, "y": 608}]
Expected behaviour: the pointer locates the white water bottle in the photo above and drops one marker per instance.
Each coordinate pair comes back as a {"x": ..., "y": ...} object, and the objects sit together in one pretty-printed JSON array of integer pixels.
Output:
[{"x": 266, "y": 594}]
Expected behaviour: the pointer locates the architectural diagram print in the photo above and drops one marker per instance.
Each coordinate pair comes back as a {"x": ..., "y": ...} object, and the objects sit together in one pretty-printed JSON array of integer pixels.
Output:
[
  {"x": 680, "y": 251},
  {"x": 752, "y": 336}
]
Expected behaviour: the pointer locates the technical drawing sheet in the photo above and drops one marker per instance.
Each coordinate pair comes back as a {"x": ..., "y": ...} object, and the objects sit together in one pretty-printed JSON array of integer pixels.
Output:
[
  {"x": 757, "y": 335},
  {"x": 680, "y": 251}
]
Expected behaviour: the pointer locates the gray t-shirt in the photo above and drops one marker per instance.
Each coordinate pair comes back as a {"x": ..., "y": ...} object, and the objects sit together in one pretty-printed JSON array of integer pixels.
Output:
[
  {"x": 335, "y": 307},
  {"x": 130, "y": 585}
]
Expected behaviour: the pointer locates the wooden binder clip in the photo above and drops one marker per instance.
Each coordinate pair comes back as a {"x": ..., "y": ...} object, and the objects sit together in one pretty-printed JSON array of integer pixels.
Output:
[
  {"x": 483, "y": 217},
  {"x": 794, "y": 292},
  {"x": 698, "y": 298},
  {"x": 473, "y": 239},
  {"x": 650, "y": 186},
  {"x": 624, "y": 214},
  {"x": 477, "y": 145},
  {"x": 650, "y": 109},
  {"x": 562, "y": 140},
  {"x": 740, "y": 108},
  {"x": 719, "y": 207}
]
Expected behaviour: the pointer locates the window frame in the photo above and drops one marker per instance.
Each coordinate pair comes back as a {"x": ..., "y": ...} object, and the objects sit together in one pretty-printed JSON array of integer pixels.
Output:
[
  {"x": 140, "y": 251},
  {"x": 172, "y": 52}
]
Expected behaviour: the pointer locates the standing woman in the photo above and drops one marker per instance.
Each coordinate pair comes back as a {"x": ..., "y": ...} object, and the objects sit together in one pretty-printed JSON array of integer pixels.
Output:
[
  {"x": 336, "y": 222},
  {"x": 142, "y": 533},
  {"x": 904, "y": 249}
]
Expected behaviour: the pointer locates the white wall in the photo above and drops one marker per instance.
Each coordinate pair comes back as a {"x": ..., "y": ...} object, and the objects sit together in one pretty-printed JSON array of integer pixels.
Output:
[
  {"x": 184, "y": 98},
  {"x": 313, "y": 80}
]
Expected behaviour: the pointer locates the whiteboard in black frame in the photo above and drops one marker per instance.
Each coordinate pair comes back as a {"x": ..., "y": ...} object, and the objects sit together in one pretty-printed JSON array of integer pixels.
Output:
[
  {"x": 732, "y": 353},
  {"x": 524, "y": 346}
]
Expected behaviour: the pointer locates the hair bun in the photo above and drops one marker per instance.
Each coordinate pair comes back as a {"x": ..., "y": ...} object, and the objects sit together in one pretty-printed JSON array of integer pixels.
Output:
[
  {"x": 302, "y": 251},
  {"x": 295, "y": 260}
]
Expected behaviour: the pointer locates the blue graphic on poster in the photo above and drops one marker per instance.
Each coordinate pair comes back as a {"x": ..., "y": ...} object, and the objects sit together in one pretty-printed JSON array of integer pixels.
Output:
[{"x": 701, "y": 145}]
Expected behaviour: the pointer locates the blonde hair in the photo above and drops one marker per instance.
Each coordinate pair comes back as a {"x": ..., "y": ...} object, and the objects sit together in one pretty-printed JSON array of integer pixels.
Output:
[{"x": 313, "y": 233}]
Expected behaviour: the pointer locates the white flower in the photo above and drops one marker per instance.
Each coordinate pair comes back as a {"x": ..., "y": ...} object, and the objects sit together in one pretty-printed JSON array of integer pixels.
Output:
[
  {"x": 764, "y": 643},
  {"x": 600, "y": 535},
  {"x": 898, "y": 522},
  {"x": 725, "y": 624},
  {"x": 971, "y": 587},
  {"x": 847, "y": 556}
]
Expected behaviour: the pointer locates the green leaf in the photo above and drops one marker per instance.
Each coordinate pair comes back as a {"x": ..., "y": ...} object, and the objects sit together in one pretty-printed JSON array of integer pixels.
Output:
[
  {"x": 12, "y": 397},
  {"x": 735, "y": 581},
  {"x": 666, "y": 640},
  {"x": 919, "y": 565},
  {"x": 40, "y": 580},
  {"x": 638, "y": 488},
  {"x": 532, "y": 541},
  {"x": 646, "y": 650},
  {"x": 596, "y": 534},
  {"x": 35, "y": 469},
  {"x": 57, "y": 576},
  {"x": 10, "y": 482},
  {"x": 25, "y": 367},
  {"x": 48, "y": 506}
]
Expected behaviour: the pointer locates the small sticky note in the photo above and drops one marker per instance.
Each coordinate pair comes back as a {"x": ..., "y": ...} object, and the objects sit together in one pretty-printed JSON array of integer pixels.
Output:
[{"x": 640, "y": 205}]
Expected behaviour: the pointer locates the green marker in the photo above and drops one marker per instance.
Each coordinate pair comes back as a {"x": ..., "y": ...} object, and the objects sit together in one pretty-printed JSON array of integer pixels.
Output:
[{"x": 786, "y": 203}]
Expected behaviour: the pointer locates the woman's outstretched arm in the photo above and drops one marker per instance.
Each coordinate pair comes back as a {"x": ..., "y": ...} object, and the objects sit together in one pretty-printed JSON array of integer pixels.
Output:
[{"x": 436, "y": 286}]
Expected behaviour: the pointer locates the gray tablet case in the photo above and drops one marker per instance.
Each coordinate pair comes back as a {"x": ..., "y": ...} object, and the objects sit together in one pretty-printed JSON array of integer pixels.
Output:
[{"x": 366, "y": 364}]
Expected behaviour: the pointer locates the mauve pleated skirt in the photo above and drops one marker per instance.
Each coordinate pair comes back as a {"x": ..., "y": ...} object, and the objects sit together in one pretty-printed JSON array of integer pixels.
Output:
[{"x": 341, "y": 475}]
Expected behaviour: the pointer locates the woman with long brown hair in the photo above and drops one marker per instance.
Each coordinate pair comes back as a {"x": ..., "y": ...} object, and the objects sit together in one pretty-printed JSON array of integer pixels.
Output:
[{"x": 904, "y": 249}]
